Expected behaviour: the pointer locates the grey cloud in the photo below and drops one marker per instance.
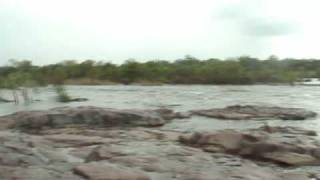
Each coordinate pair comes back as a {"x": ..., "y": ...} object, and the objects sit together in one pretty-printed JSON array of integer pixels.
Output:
[
  {"x": 266, "y": 27},
  {"x": 239, "y": 11},
  {"x": 251, "y": 20}
]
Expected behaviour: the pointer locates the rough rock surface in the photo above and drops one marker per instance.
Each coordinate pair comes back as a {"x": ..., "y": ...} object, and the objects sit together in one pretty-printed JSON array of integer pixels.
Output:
[
  {"x": 282, "y": 145},
  {"x": 136, "y": 154},
  {"x": 96, "y": 152},
  {"x": 105, "y": 171},
  {"x": 238, "y": 112},
  {"x": 85, "y": 115}
]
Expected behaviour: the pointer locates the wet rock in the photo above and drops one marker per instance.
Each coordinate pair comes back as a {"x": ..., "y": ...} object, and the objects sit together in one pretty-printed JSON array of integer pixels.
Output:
[
  {"x": 77, "y": 100},
  {"x": 33, "y": 121},
  {"x": 239, "y": 112},
  {"x": 296, "y": 150},
  {"x": 105, "y": 171},
  {"x": 3, "y": 100}
]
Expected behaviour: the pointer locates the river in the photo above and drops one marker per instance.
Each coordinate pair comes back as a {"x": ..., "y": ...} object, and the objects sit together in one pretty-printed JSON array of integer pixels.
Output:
[{"x": 183, "y": 98}]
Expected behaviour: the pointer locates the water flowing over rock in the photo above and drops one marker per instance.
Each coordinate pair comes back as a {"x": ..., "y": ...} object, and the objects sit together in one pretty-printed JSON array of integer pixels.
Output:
[{"x": 239, "y": 112}]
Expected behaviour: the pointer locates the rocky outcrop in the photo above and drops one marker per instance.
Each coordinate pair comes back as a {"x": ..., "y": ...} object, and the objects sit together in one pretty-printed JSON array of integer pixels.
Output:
[
  {"x": 105, "y": 144},
  {"x": 239, "y": 112},
  {"x": 282, "y": 145},
  {"x": 135, "y": 153},
  {"x": 88, "y": 116}
]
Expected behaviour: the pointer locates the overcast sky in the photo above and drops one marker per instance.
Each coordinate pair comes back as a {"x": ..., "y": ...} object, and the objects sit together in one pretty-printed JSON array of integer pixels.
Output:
[{"x": 48, "y": 31}]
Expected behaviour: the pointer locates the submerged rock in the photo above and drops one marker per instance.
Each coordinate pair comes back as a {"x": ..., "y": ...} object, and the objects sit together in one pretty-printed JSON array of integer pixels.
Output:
[
  {"x": 77, "y": 100},
  {"x": 239, "y": 112},
  {"x": 86, "y": 115},
  {"x": 285, "y": 146},
  {"x": 2, "y": 100}
]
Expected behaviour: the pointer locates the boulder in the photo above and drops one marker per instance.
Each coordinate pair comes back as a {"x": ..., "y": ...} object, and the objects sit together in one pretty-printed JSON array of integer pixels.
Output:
[{"x": 239, "y": 112}]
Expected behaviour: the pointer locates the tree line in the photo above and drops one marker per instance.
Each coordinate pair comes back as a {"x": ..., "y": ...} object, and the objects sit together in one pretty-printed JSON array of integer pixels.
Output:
[{"x": 187, "y": 70}]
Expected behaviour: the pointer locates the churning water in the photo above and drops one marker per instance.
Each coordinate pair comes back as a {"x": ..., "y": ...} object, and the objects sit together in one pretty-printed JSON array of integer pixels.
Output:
[{"x": 183, "y": 98}]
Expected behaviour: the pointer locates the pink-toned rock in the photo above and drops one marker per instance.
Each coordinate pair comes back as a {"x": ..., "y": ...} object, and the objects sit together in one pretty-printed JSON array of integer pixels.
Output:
[
  {"x": 285, "y": 146},
  {"x": 226, "y": 141}
]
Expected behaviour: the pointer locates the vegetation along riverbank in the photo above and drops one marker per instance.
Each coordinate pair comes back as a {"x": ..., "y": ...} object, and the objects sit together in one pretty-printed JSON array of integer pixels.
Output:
[{"x": 188, "y": 70}]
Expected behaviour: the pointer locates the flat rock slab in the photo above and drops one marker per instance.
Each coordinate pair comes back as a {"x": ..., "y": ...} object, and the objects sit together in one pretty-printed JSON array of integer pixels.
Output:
[{"x": 247, "y": 112}]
